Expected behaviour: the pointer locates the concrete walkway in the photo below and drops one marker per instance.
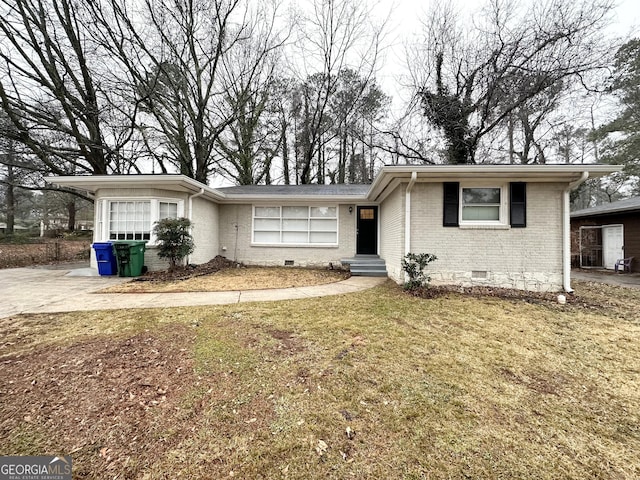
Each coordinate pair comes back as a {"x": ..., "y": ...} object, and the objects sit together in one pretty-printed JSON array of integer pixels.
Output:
[
  {"x": 606, "y": 276},
  {"x": 72, "y": 288}
]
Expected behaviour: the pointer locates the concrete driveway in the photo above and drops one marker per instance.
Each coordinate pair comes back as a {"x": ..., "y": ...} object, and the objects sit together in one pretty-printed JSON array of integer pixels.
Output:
[
  {"x": 33, "y": 289},
  {"x": 631, "y": 280},
  {"x": 70, "y": 288}
]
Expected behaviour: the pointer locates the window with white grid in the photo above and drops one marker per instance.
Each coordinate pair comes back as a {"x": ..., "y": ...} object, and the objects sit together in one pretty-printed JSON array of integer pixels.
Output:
[
  {"x": 130, "y": 220},
  {"x": 295, "y": 225},
  {"x": 134, "y": 219}
]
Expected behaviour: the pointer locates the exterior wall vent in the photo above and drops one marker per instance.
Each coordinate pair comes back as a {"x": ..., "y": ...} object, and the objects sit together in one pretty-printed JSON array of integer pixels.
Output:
[
  {"x": 478, "y": 274},
  {"x": 288, "y": 263}
]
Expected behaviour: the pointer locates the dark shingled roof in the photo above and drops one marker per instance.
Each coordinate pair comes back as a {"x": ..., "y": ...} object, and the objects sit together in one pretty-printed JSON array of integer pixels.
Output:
[
  {"x": 627, "y": 205},
  {"x": 339, "y": 190}
]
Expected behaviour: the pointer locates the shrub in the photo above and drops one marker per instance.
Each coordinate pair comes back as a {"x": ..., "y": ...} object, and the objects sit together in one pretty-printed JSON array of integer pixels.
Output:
[
  {"x": 174, "y": 239},
  {"x": 20, "y": 238},
  {"x": 414, "y": 264}
]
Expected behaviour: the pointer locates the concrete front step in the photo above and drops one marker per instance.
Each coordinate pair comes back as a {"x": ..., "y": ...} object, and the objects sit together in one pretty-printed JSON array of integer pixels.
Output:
[
  {"x": 362, "y": 259},
  {"x": 369, "y": 273},
  {"x": 366, "y": 266}
]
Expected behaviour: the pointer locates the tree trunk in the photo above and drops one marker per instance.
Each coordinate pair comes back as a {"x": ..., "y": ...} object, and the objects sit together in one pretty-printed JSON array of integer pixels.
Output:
[
  {"x": 372, "y": 166},
  {"x": 71, "y": 211},
  {"x": 10, "y": 195},
  {"x": 322, "y": 157},
  {"x": 285, "y": 154},
  {"x": 342, "y": 159},
  {"x": 510, "y": 133}
]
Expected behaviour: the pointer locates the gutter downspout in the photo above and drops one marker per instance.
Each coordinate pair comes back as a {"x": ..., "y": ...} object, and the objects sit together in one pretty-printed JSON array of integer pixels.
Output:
[
  {"x": 190, "y": 214},
  {"x": 407, "y": 213},
  {"x": 566, "y": 232}
]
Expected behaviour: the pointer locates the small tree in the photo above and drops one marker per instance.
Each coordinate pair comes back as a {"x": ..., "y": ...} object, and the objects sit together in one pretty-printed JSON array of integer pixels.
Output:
[
  {"x": 414, "y": 264},
  {"x": 174, "y": 239}
]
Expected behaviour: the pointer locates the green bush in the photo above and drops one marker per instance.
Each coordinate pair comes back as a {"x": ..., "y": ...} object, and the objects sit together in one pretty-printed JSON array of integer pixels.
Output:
[
  {"x": 174, "y": 239},
  {"x": 414, "y": 264}
]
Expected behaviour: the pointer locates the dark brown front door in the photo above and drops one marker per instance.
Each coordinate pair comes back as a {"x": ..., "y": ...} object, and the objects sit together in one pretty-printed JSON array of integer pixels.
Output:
[{"x": 367, "y": 232}]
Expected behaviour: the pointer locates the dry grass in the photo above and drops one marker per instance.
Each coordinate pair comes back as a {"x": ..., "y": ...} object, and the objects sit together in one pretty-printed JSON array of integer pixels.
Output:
[
  {"x": 451, "y": 387},
  {"x": 232, "y": 279}
]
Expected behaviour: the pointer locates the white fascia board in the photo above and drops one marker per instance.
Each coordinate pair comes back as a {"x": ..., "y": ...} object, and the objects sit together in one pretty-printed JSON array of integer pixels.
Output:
[
  {"x": 390, "y": 175},
  {"x": 178, "y": 183}
]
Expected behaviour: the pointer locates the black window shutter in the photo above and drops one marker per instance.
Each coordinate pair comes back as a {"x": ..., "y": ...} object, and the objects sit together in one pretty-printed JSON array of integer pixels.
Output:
[
  {"x": 518, "y": 204},
  {"x": 451, "y": 201}
]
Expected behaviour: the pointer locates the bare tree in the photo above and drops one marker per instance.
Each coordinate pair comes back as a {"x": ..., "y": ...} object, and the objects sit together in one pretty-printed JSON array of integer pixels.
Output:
[
  {"x": 253, "y": 138},
  {"x": 178, "y": 54},
  {"x": 471, "y": 79},
  {"x": 51, "y": 90},
  {"x": 336, "y": 34}
]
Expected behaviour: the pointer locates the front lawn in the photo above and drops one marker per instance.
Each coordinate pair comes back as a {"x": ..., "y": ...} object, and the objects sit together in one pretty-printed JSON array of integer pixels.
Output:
[
  {"x": 376, "y": 384},
  {"x": 230, "y": 279}
]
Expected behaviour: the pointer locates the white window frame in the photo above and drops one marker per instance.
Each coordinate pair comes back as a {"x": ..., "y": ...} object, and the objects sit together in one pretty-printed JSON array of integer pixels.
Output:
[
  {"x": 104, "y": 207},
  {"x": 503, "y": 219},
  {"x": 308, "y": 231}
]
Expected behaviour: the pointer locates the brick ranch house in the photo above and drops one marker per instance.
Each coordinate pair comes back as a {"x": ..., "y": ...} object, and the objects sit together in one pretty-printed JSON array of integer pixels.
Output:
[
  {"x": 601, "y": 235},
  {"x": 492, "y": 225}
]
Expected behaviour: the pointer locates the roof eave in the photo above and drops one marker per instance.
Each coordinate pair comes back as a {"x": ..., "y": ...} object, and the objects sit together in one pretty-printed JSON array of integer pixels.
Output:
[
  {"x": 288, "y": 198},
  {"x": 442, "y": 173},
  {"x": 602, "y": 213},
  {"x": 181, "y": 183}
]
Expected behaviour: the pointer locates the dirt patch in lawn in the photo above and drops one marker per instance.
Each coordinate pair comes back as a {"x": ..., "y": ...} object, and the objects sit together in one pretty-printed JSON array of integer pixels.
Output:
[
  {"x": 220, "y": 275},
  {"x": 107, "y": 397}
]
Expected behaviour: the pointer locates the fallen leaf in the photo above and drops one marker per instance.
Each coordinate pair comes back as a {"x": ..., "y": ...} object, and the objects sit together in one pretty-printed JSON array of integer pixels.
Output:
[{"x": 322, "y": 447}]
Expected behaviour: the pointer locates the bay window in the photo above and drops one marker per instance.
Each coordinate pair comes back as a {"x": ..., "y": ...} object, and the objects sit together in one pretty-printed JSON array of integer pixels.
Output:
[{"x": 133, "y": 219}]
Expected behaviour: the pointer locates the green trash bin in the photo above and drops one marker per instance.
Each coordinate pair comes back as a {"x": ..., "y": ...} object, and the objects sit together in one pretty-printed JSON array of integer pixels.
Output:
[{"x": 130, "y": 257}]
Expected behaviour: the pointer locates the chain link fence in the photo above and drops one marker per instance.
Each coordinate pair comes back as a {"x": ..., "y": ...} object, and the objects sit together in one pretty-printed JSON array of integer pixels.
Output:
[{"x": 44, "y": 252}]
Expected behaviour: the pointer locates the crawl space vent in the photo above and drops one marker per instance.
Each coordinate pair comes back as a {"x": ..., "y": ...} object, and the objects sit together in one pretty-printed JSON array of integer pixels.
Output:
[
  {"x": 288, "y": 263},
  {"x": 479, "y": 274}
]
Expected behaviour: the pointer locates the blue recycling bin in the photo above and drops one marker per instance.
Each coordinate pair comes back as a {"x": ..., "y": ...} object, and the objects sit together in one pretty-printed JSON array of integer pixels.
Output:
[{"x": 107, "y": 264}]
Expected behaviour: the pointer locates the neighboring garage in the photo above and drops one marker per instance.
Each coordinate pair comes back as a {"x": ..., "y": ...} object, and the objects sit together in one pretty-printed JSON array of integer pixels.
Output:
[{"x": 604, "y": 234}]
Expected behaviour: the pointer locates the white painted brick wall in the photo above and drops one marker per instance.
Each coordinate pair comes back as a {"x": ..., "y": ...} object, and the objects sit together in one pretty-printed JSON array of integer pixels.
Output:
[
  {"x": 392, "y": 232},
  {"x": 205, "y": 219},
  {"x": 205, "y": 230},
  {"x": 236, "y": 245},
  {"x": 525, "y": 258}
]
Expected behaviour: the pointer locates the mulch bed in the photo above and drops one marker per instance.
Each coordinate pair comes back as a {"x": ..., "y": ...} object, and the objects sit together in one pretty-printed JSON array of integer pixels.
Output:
[
  {"x": 539, "y": 298},
  {"x": 190, "y": 271}
]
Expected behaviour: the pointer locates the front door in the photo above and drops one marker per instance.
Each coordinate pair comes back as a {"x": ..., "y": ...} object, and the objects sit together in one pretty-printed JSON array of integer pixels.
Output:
[
  {"x": 612, "y": 245},
  {"x": 367, "y": 231}
]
